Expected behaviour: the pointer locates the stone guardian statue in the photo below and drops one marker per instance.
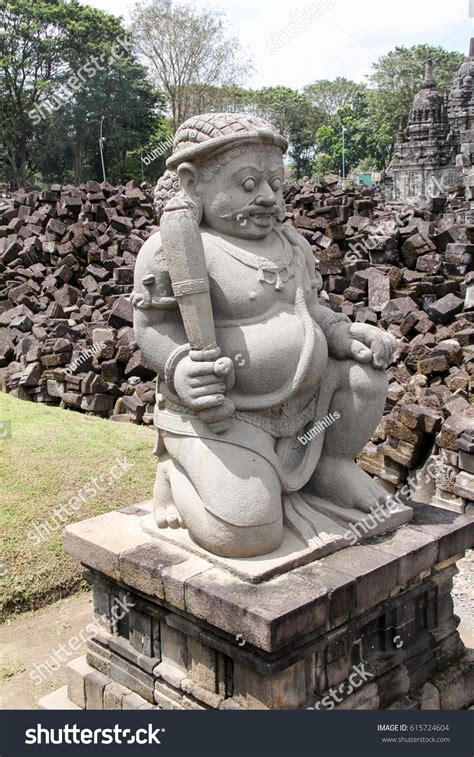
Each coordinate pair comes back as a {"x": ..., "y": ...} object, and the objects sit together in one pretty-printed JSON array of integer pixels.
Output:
[{"x": 264, "y": 396}]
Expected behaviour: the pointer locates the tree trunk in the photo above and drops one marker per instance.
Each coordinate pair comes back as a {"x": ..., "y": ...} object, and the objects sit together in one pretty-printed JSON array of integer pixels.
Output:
[{"x": 78, "y": 160}]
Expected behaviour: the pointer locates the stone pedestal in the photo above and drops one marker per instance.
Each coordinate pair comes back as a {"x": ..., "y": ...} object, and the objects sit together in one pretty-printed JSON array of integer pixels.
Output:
[{"x": 369, "y": 627}]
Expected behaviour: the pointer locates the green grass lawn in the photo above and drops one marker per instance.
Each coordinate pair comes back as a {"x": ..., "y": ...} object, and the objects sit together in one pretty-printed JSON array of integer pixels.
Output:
[{"x": 47, "y": 456}]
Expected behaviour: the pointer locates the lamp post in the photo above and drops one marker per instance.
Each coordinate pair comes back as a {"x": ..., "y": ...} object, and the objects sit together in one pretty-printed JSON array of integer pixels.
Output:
[
  {"x": 343, "y": 154},
  {"x": 101, "y": 148}
]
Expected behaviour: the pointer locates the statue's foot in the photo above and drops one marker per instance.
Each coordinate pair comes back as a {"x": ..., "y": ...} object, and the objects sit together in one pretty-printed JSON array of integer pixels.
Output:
[
  {"x": 342, "y": 481},
  {"x": 167, "y": 516}
]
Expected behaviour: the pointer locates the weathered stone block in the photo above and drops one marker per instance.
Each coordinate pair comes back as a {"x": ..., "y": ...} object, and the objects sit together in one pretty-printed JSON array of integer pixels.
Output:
[
  {"x": 95, "y": 684},
  {"x": 76, "y": 672},
  {"x": 285, "y": 690}
]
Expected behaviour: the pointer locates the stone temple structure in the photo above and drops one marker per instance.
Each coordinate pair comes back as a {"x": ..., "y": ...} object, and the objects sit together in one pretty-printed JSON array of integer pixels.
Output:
[
  {"x": 433, "y": 151},
  {"x": 461, "y": 118}
]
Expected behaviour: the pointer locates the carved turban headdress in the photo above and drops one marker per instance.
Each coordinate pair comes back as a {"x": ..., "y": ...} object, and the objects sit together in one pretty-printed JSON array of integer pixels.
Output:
[{"x": 206, "y": 136}]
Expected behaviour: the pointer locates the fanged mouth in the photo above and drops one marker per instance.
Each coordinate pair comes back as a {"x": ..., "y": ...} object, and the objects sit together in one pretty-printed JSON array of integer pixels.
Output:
[{"x": 253, "y": 212}]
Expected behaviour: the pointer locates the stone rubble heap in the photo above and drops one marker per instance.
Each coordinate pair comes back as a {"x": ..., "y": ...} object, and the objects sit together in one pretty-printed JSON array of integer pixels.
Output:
[
  {"x": 411, "y": 273},
  {"x": 66, "y": 268}
]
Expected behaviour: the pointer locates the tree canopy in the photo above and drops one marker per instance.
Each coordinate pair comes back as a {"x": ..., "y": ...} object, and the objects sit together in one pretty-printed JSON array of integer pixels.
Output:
[
  {"x": 65, "y": 67},
  {"x": 329, "y": 96}
]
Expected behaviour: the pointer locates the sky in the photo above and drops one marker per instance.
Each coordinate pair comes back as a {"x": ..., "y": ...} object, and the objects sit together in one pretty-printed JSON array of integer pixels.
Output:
[{"x": 293, "y": 44}]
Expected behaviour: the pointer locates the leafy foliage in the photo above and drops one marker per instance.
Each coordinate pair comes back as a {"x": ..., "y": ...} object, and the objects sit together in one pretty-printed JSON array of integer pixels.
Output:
[
  {"x": 329, "y": 96},
  {"x": 50, "y": 46},
  {"x": 62, "y": 67},
  {"x": 187, "y": 50},
  {"x": 295, "y": 117},
  {"x": 323, "y": 164}
]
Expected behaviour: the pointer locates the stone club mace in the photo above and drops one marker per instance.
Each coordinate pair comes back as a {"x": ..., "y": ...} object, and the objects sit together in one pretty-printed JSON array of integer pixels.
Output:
[{"x": 184, "y": 254}]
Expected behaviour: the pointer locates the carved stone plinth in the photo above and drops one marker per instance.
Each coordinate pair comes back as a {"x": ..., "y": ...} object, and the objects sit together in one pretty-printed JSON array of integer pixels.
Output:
[{"x": 376, "y": 618}]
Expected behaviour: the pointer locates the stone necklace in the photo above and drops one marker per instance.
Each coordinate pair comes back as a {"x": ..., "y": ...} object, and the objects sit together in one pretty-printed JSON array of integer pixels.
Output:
[{"x": 273, "y": 272}]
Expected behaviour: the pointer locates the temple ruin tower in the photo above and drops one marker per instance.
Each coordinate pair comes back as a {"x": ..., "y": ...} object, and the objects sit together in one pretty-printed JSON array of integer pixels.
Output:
[
  {"x": 461, "y": 118},
  {"x": 424, "y": 158}
]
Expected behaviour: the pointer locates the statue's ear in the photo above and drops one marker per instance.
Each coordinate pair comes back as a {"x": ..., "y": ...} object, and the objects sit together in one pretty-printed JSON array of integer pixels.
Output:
[{"x": 188, "y": 179}]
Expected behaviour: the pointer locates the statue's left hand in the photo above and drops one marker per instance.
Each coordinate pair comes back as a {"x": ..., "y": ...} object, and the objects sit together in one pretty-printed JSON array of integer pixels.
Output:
[{"x": 363, "y": 343}]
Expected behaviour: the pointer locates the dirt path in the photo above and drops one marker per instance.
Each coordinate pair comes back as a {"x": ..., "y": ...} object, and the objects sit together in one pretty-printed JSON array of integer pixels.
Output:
[{"x": 32, "y": 637}]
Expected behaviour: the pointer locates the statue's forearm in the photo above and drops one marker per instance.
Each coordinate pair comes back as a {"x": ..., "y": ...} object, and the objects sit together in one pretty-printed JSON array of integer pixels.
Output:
[
  {"x": 158, "y": 339},
  {"x": 327, "y": 318}
]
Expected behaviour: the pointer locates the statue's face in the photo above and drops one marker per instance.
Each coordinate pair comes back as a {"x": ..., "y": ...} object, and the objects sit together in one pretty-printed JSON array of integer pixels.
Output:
[{"x": 244, "y": 198}]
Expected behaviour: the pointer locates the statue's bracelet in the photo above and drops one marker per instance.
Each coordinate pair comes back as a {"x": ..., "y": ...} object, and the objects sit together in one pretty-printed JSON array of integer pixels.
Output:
[
  {"x": 173, "y": 359},
  {"x": 339, "y": 320}
]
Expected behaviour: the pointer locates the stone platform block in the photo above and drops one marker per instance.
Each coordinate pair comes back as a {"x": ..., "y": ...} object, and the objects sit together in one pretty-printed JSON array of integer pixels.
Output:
[
  {"x": 194, "y": 635},
  {"x": 336, "y": 529}
]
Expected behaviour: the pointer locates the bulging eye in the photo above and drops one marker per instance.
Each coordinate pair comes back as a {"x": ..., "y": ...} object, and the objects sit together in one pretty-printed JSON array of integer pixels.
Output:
[
  {"x": 275, "y": 183},
  {"x": 249, "y": 184}
]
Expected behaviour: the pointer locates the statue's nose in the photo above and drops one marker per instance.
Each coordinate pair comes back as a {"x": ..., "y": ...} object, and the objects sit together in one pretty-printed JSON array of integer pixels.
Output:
[{"x": 266, "y": 199}]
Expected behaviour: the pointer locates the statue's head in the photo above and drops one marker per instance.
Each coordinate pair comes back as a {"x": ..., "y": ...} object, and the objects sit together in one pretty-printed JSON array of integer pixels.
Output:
[{"x": 231, "y": 166}]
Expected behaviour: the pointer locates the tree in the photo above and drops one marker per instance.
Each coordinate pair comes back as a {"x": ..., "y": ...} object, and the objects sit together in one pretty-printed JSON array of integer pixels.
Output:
[
  {"x": 329, "y": 96},
  {"x": 187, "y": 49},
  {"x": 40, "y": 45},
  {"x": 148, "y": 162},
  {"x": 206, "y": 98},
  {"x": 366, "y": 165},
  {"x": 329, "y": 140},
  {"x": 292, "y": 113},
  {"x": 30, "y": 45},
  {"x": 62, "y": 66},
  {"x": 66, "y": 145},
  {"x": 397, "y": 77},
  {"x": 323, "y": 164}
]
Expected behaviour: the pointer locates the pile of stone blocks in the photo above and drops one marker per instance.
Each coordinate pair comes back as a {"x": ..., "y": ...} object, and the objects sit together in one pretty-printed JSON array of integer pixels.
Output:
[
  {"x": 67, "y": 256},
  {"x": 197, "y": 637},
  {"x": 66, "y": 268},
  {"x": 410, "y": 272}
]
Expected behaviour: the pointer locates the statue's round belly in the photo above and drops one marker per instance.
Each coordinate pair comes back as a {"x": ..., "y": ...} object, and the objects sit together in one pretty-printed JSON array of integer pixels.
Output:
[{"x": 266, "y": 354}]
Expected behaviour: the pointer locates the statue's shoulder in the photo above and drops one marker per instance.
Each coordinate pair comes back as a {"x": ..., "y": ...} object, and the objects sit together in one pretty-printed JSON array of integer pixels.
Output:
[
  {"x": 151, "y": 259},
  {"x": 152, "y": 246}
]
